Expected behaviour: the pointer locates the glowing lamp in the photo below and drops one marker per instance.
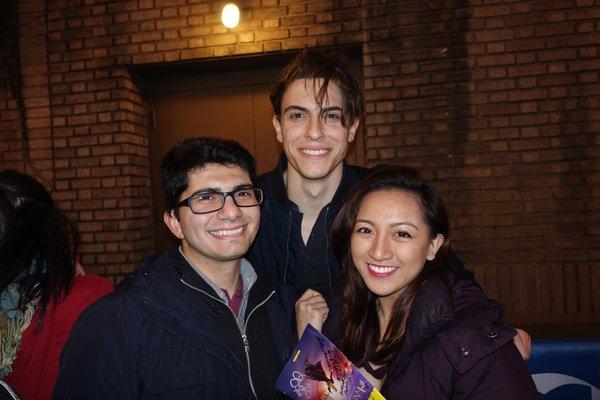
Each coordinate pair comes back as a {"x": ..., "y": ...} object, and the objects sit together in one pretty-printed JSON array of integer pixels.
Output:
[{"x": 230, "y": 16}]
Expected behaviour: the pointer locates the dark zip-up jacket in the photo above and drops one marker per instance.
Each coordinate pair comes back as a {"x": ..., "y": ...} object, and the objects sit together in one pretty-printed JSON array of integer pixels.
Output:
[
  {"x": 160, "y": 337},
  {"x": 270, "y": 252},
  {"x": 271, "y": 248}
]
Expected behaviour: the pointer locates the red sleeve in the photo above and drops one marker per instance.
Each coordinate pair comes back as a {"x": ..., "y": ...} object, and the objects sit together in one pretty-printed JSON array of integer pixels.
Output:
[{"x": 36, "y": 367}]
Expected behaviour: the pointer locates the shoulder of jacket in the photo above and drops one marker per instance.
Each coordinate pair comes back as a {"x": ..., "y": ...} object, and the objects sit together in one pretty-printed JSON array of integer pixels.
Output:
[
  {"x": 475, "y": 332},
  {"x": 128, "y": 293},
  {"x": 263, "y": 179},
  {"x": 356, "y": 172}
]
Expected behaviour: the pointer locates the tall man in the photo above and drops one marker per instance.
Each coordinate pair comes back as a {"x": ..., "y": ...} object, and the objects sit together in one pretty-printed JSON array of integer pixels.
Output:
[
  {"x": 194, "y": 322},
  {"x": 317, "y": 104}
]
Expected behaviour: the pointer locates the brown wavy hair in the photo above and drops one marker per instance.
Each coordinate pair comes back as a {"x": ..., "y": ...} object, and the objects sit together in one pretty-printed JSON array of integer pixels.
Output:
[
  {"x": 329, "y": 65},
  {"x": 359, "y": 323}
]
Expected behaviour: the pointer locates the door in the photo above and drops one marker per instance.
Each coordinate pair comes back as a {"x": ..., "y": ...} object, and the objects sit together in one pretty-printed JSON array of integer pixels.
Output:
[{"x": 233, "y": 105}]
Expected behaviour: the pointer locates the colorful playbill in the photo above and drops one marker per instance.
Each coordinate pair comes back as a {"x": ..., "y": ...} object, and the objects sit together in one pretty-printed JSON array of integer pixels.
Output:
[{"x": 318, "y": 370}]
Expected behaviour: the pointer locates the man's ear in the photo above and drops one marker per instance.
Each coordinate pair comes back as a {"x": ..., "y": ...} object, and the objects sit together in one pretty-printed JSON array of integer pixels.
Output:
[
  {"x": 173, "y": 223},
  {"x": 277, "y": 126},
  {"x": 352, "y": 130},
  {"x": 434, "y": 246}
]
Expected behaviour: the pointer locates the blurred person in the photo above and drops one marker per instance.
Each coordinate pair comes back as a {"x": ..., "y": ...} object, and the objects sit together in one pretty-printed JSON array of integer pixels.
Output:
[{"x": 40, "y": 294}]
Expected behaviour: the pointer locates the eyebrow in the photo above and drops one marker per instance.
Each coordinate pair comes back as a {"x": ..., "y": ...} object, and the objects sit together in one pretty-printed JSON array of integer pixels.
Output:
[
  {"x": 400, "y": 223},
  {"x": 304, "y": 109},
  {"x": 297, "y": 108},
  {"x": 218, "y": 190}
]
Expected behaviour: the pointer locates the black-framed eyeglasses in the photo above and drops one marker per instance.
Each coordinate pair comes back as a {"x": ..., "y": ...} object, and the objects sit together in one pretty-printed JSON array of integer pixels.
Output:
[{"x": 205, "y": 202}]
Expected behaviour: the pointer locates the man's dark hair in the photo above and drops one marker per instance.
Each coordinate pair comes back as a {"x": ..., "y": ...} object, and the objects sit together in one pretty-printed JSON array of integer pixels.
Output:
[
  {"x": 195, "y": 153},
  {"x": 330, "y": 66}
]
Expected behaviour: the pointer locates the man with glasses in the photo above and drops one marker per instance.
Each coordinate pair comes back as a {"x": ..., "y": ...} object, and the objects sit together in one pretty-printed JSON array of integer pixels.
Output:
[{"x": 194, "y": 321}]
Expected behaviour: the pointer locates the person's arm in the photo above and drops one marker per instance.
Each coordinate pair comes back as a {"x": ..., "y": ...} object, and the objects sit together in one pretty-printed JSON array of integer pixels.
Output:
[
  {"x": 498, "y": 376},
  {"x": 523, "y": 342},
  {"x": 96, "y": 362}
]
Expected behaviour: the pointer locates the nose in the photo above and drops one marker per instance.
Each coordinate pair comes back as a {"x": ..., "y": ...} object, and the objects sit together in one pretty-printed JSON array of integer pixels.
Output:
[
  {"x": 315, "y": 127},
  {"x": 380, "y": 248},
  {"x": 230, "y": 210}
]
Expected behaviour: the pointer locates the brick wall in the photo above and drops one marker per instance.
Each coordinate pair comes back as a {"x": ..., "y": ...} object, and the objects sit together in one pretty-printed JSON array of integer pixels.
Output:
[
  {"x": 499, "y": 104},
  {"x": 10, "y": 121},
  {"x": 497, "y": 101}
]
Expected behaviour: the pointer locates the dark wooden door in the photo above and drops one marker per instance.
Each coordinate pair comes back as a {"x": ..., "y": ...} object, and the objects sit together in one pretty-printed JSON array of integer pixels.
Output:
[{"x": 233, "y": 105}]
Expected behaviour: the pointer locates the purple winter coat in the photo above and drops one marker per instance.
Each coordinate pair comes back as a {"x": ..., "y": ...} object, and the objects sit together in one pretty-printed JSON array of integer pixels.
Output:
[{"x": 457, "y": 348}]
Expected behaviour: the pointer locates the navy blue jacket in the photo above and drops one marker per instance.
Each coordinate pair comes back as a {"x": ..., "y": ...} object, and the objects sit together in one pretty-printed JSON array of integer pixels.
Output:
[
  {"x": 271, "y": 248},
  {"x": 156, "y": 337}
]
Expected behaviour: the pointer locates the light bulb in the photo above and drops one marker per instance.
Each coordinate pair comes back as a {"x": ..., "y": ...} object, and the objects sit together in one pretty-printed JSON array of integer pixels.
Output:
[{"x": 230, "y": 16}]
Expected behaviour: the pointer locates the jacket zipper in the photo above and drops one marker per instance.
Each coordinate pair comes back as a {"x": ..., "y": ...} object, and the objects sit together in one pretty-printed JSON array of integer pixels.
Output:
[
  {"x": 242, "y": 332},
  {"x": 327, "y": 249},
  {"x": 245, "y": 339},
  {"x": 287, "y": 254}
]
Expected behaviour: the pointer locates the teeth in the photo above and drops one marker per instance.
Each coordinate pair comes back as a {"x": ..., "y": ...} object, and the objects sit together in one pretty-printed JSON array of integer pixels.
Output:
[
  {"x": 227, "y": 232},
  {"x": 381, "y": 270},
  {"x": 311, "y": 152}
]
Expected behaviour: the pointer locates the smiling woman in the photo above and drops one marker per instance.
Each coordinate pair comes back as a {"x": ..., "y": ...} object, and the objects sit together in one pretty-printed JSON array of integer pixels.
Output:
[
  {"x": 391, "y": 243},
  {"x": 417, "y": 325}
]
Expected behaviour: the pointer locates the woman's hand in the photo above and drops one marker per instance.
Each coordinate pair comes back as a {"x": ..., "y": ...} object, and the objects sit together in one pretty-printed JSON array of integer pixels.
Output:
[
  {"x": 523, "y": 342},
  {"x": 310, "y": 308}
]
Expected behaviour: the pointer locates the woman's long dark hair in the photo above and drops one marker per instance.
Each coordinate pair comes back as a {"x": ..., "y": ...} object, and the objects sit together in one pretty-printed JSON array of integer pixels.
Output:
[
  {"x": 359, "y": 325},
  {"x": 34, "y": 232}
]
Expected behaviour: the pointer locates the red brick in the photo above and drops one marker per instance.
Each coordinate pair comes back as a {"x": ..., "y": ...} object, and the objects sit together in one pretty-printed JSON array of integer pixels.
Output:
[
  {"x": 298, "y": 20},
  {"x": 492, "y": 11},
  {"x": 269, "y": 12},
  {"x": 322, "y": 29},
  {"x": 171, "y": 23},
  {"x": 171, "y": 44},
  {"x": 220, "y": 40},
  {"x": 147, "y": 58},
  {"x": 504, "y": 59},
  {"x": 270, "y": 23},
  {"x": 272, "y": 34}
]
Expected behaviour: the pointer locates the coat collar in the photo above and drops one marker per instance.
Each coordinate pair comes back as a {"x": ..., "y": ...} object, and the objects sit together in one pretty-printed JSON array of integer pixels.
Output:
[
  {"x": 350, "y": 177},
  {"x": 176, "y": 271},
  {"x": 168, "y": 303},
  {"x": 454, "y": 310}
]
